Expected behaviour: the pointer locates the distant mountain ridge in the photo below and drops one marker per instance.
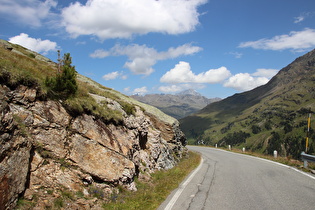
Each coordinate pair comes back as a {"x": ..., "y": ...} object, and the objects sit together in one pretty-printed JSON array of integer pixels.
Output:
[
  {"x": 179, "y": 105},
  {"x": 189, "y": 92},
  {"x": 269, "y": 117}
]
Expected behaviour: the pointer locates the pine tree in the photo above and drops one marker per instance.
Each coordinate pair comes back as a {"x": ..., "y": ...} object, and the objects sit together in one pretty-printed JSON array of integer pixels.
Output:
[{"x": 64, "y": 84}]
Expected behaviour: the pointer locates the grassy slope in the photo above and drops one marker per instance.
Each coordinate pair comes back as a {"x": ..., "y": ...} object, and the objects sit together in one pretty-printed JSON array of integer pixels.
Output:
[
  {"x": 22, "y": 66},
  {"x": 281, "y": 103}
]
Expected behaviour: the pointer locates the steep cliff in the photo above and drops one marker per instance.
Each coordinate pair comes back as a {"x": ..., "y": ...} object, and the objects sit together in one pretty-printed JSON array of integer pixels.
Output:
[{"x": 50, "y": 154}]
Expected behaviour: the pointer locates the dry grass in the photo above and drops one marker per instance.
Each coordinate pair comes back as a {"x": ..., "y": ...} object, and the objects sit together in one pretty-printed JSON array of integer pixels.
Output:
[
  {"x": 21, "y": 66},
  {"x": 151, "y": 194}
]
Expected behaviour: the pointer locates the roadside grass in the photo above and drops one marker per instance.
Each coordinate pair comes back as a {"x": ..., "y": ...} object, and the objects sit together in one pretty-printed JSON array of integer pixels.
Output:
[
  {"x": 151, "y": 194},
  {"x": 285, "y": 160},
  {"x": 280, "y": 159}
]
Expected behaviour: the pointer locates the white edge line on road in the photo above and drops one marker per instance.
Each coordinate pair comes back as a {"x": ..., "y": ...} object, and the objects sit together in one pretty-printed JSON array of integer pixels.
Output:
[
  {"x": 270, "y": 161},
  {"x": 182, "y": 187},
  {"x": 286, "y": 166}
]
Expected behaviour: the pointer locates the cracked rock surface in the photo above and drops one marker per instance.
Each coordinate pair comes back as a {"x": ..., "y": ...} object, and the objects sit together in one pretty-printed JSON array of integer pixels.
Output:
[{"x": 45, "y": 151}]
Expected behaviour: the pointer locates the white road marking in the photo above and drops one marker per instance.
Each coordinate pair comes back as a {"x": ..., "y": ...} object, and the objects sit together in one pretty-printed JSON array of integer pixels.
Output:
[
  {"x": 274, "y": 162},
  {"x": 182, "y": 187}
]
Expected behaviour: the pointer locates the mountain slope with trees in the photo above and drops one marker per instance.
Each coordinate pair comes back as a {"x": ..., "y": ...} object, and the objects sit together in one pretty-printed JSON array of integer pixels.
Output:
[{"x": 267, "y": 118}]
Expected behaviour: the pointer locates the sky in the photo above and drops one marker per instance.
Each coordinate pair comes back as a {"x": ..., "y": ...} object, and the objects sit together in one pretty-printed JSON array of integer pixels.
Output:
[{"x": 216, "y": 47}]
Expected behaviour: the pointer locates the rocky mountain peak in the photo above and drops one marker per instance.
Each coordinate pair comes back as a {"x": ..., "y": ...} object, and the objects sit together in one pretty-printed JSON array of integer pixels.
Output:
[
  {"x": 189, "y": 92},
  {"x": 179, "y": 105}
]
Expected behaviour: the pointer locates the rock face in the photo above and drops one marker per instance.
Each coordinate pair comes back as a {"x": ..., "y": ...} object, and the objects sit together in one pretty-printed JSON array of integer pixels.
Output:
[{"x": 46, "y": 152}]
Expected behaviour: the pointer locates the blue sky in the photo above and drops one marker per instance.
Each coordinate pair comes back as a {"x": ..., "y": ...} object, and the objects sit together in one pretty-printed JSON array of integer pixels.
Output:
[{"x": 217, "y": 47}]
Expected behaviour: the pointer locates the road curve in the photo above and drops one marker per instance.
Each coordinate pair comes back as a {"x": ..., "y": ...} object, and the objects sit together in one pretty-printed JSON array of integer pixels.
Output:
[{"x": 227, "y": 180}]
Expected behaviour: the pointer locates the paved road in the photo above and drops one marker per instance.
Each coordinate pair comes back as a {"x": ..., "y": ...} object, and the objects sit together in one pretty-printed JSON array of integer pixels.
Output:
[{"x": 228, "y": 180}]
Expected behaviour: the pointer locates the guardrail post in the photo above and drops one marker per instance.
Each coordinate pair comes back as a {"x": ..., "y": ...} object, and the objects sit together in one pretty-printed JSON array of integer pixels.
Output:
[
  {"x": 275, "y": 154},
  {"x": 229, "y": 147},
  {"x": 305, "y": 165},
  {"x": 243, "y": 149},
  {"x": 307, "y": 158},
  {"x": 216, "y": 145}
]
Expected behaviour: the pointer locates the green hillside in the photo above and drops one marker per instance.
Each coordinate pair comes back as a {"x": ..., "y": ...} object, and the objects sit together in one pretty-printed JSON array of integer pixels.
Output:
[
  {"x": 21, "y": 66},
  {"x": 269, "y": 117}
]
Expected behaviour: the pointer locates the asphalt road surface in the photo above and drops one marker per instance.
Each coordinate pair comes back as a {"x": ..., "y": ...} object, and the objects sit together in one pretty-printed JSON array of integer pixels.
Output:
[{"x": 226, "y": 180}]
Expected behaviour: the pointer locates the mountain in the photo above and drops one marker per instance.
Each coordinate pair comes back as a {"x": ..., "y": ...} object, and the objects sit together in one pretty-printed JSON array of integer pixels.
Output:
[
  {"x": 178, "y": 106},
  {"x": 269, "y": 117},
  {"x": 191, "y": 92},
  {"x": 74, "y": 145}
]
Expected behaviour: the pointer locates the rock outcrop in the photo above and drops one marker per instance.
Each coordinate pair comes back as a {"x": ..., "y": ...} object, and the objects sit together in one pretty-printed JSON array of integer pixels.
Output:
[{"x": 45, "y": 152}]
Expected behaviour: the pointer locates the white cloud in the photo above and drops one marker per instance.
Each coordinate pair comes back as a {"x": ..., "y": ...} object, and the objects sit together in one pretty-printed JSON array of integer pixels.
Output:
[
  {"x": 141, "y": 65},
  {"x": 123, "y": 76},
  {"x": 295, "y": 40},
  {"x": 181, "y": 78},
  {"x": 265, "y": 73},
  {"x": 186, "y": 49},
  {"x": 170, "y": 88},
  {"x": 236, "y": 54},
  {"x": 30, "y": 12},
  {"x": 182, "y": 73},
  {"x": 141, "y": 58},
  {"x": 246, "y": 81},
  {"x": 37, "y": 45},
  {"x": 140, "y": 91},
  {"x": 114, "y": 75},
  {"x": 299, "y": 19},
  {"x": 127, "y": 89},
  {"x": 121, "y": 19},
  {"x": 100, "y": 53},
  {"x": 303, "y": 16}
]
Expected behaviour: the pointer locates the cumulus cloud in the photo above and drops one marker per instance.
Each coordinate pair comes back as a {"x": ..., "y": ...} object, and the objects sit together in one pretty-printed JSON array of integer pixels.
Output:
[
  {"x": 140, "y": 91},
  {"x": 121, "y": 19},
  {"x": 37, "y": 45},
  {"x": 182, "y": 73},
  {"x": 295, "y": 40},
  {"x": 141, "y": 58},
  {"x": 181, "y": 77},
  {"x": 30, "y": 12},
  {"x": 114, "y": 75},
  {"x": 246, "y": 81},
  {"x": 265, "y": 73}
]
